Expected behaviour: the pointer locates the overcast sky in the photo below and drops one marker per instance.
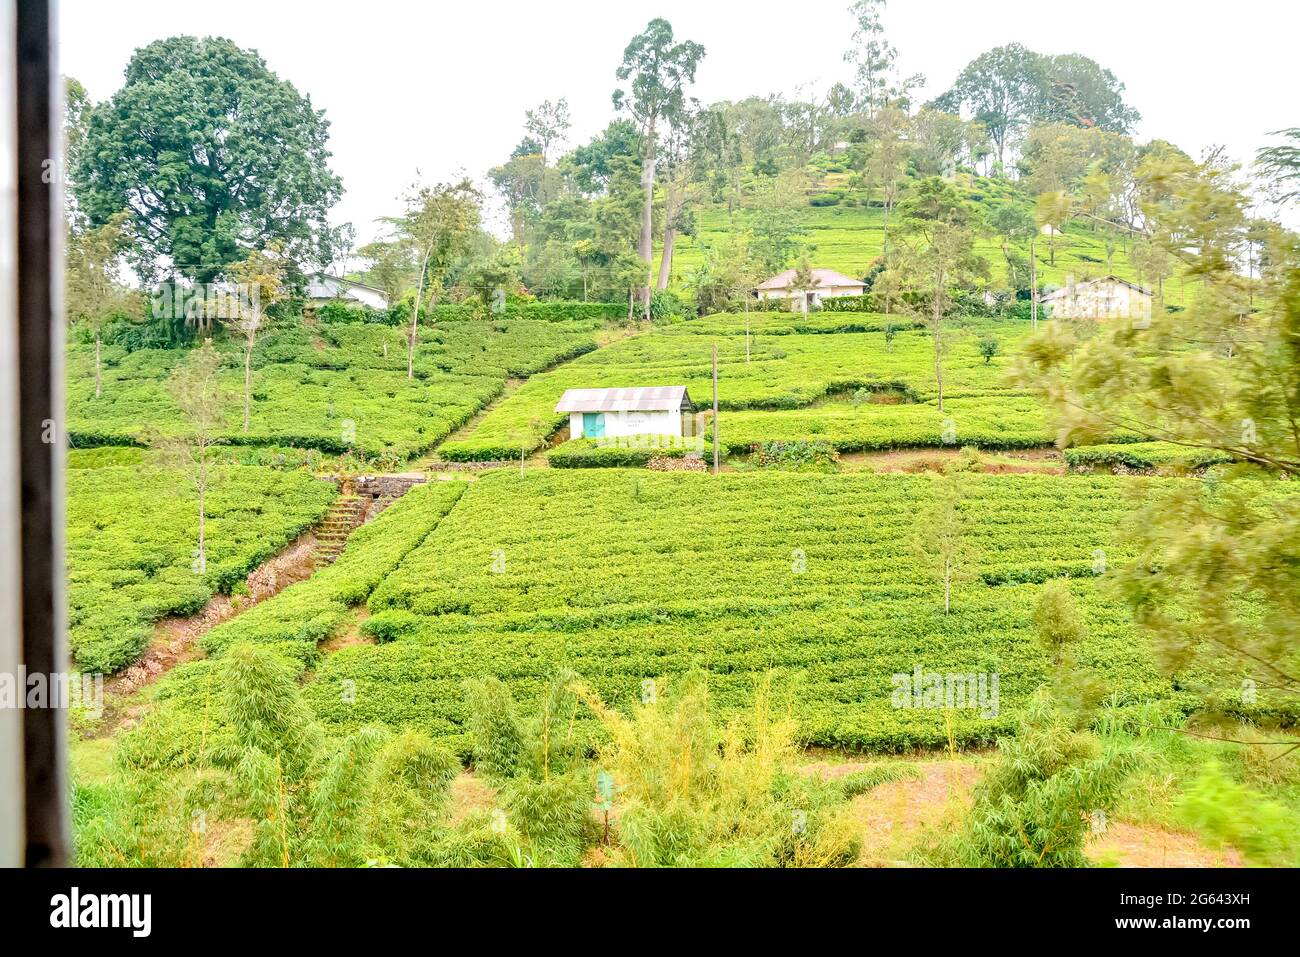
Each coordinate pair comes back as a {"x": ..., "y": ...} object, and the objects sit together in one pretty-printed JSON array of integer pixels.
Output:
[{"x": 441, "y": 88}]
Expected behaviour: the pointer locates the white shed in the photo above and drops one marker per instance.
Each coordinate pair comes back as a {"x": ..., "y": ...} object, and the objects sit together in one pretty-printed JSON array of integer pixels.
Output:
[
  {"x": 323, "y": 288},
  {"x": 648, "y": 410}
]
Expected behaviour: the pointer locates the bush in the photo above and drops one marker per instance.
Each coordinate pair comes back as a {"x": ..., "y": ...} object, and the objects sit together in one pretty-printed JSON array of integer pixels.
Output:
[
  {"x": 632, "y": 451},
  {"x": 796, "y": 456},
  {"x": 390, "y": 625}
]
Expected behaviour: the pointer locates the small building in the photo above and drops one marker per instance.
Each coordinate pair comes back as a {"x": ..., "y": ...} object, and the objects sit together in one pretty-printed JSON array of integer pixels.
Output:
[
  {"x": 827, "y": 284},
  {"x": 649, "y": 410},
  {"x": 323, "y": 288},
  {"x": 1106, "y": 298}
]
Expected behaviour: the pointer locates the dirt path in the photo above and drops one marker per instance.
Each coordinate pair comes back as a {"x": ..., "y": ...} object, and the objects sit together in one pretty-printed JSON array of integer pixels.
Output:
[{"x": 896, "y": 815}]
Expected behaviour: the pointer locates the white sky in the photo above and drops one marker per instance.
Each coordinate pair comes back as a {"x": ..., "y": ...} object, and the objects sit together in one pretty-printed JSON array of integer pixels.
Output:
[{"x": 442, "y": 87}]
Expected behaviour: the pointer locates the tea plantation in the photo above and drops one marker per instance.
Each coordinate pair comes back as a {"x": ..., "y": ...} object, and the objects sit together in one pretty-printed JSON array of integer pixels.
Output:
[
  {"x": 821, "y": 377},
  {"x": 132, "y": 536},
  {"x": 333, "y": 387},
  {"x": 627, "y": 576}
]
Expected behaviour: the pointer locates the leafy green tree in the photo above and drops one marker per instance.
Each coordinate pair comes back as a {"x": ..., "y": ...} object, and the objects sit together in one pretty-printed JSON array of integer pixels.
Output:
[
  {"x": 940, "y": 538},
  {"x": 885, "y": 162},
  {"x": 659, "y": 70},
  {"x": 874, "y": 60},
  {"x": 1081, "y": 92},
  {"x": 1214, "y": 578},
  {"x": 183, "y": 145},
  {"x": 437, "y": 226},
  {"x": 1051, "y": 212},
  {"x": 1057, "y": 618},
  {"x": 937, "y": 256},
  {"x": 1003, "y": 90},
  {"x": 776, "y": 222}
]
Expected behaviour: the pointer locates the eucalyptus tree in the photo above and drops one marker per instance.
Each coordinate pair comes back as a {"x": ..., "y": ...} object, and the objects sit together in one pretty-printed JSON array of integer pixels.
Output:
[{"x": 657, "y": 69}]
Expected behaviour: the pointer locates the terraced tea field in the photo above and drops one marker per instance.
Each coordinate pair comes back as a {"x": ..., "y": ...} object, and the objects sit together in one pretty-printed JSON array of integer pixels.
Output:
[
  {"x": 796, "y": 381},
  {"x": 627, "y": 576},
  {"x": 132, "y": 547},
  {"x": 331, "y": 387}
]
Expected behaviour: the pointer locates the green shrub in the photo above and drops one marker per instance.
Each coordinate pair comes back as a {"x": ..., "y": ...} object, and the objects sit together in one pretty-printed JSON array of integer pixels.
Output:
[{"x": 390, "y": 625}]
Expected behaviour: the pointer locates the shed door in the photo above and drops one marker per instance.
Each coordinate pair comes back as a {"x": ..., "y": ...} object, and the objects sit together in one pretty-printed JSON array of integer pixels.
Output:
[{"x": 593, "y": 424}]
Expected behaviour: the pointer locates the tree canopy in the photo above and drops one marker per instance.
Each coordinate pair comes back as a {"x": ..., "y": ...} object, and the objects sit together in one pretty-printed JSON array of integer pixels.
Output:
[{"x": 212, "y": 155}]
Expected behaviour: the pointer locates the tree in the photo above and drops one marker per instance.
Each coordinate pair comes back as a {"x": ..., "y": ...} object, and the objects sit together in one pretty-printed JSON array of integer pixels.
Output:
[
  {"x": 1279, "y": 165},
  {"x": 775, "y": 222},
  {"x": 195, "y": 389},
  {"x": 92, "y": 293},
  {"x": 659, "y": 71},
  {"x": 548, "y": 125},
  {"x": 1213, "y": 581},
  {"x": 391, "y": 267},
  {"x": 874, "y": 60},
  {"x": 939, "y": 537},
  {"x": 989, "y": 347},
  {"x": 1003, "y": 90},
  {"x": 260, "y": 285},
  {"x": 1057, "y": 618},
  {"x": 938, "y": 254},
  {"x": 803, "y": 282},
  {"x": 437, "y": 226},
  {"x": 1081, "y": 92},
  {"x": 1015, "y": 225},
  {"x": 885, "y": 161},
  {"x": 1052, "y": 212},
  {"x": 185, "y": 146}
]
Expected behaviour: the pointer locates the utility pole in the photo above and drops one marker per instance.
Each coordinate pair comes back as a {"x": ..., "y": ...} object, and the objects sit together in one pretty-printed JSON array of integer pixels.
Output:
[
  {"x": 1033, "y": 285},
  {"x": 716, "y": 467}
]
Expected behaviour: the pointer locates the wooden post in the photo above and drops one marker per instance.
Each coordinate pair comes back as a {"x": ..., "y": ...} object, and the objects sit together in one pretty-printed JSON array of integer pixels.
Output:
[{"x": 716, "y": 466}]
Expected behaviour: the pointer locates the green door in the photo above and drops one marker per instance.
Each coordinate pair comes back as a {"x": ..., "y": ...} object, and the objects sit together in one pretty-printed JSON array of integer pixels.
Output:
[{"x": 593, "y": 425}]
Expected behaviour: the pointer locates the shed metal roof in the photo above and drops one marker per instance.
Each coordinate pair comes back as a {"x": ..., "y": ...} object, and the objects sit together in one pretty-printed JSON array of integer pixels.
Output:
[{"x": 656, "y": 398}]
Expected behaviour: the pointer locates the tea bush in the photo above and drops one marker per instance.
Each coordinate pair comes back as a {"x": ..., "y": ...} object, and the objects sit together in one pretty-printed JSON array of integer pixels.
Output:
[{"x": 132, "y": 539}]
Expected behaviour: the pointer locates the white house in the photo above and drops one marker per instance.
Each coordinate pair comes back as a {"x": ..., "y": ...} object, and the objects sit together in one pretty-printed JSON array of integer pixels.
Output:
[
  {"x": 598, "y": 413},
  {"x": 1106, "y": 298},
  {"x": 827, "y": 284},
  {"x": 323, "y": 288}
]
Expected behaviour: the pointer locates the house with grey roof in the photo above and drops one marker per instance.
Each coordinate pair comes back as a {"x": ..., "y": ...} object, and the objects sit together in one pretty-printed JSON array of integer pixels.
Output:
[{"x": 612, "y": 413}]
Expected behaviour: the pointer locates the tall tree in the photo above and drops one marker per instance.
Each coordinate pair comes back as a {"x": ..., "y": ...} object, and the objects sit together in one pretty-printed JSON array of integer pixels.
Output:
[
  {"x": 940, "y": 537},
  {"x": 198, "y": 393},
  {"x": 1052, "y": 212},
  {"x": 937, "y": 256},
  {"x": 438, "y": 225},
  {"x": 885, "y": 162},
  {"x": 659, "y": 70},
  {"x": 259, "y": 285},
  {"x": 1081, "y": 92},
  {"x": 1003, "y": 90},
  {"x": 874, "y": 60},
  {"x": 185, "y": 145},
  {"x": 548, "y": 125}
]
